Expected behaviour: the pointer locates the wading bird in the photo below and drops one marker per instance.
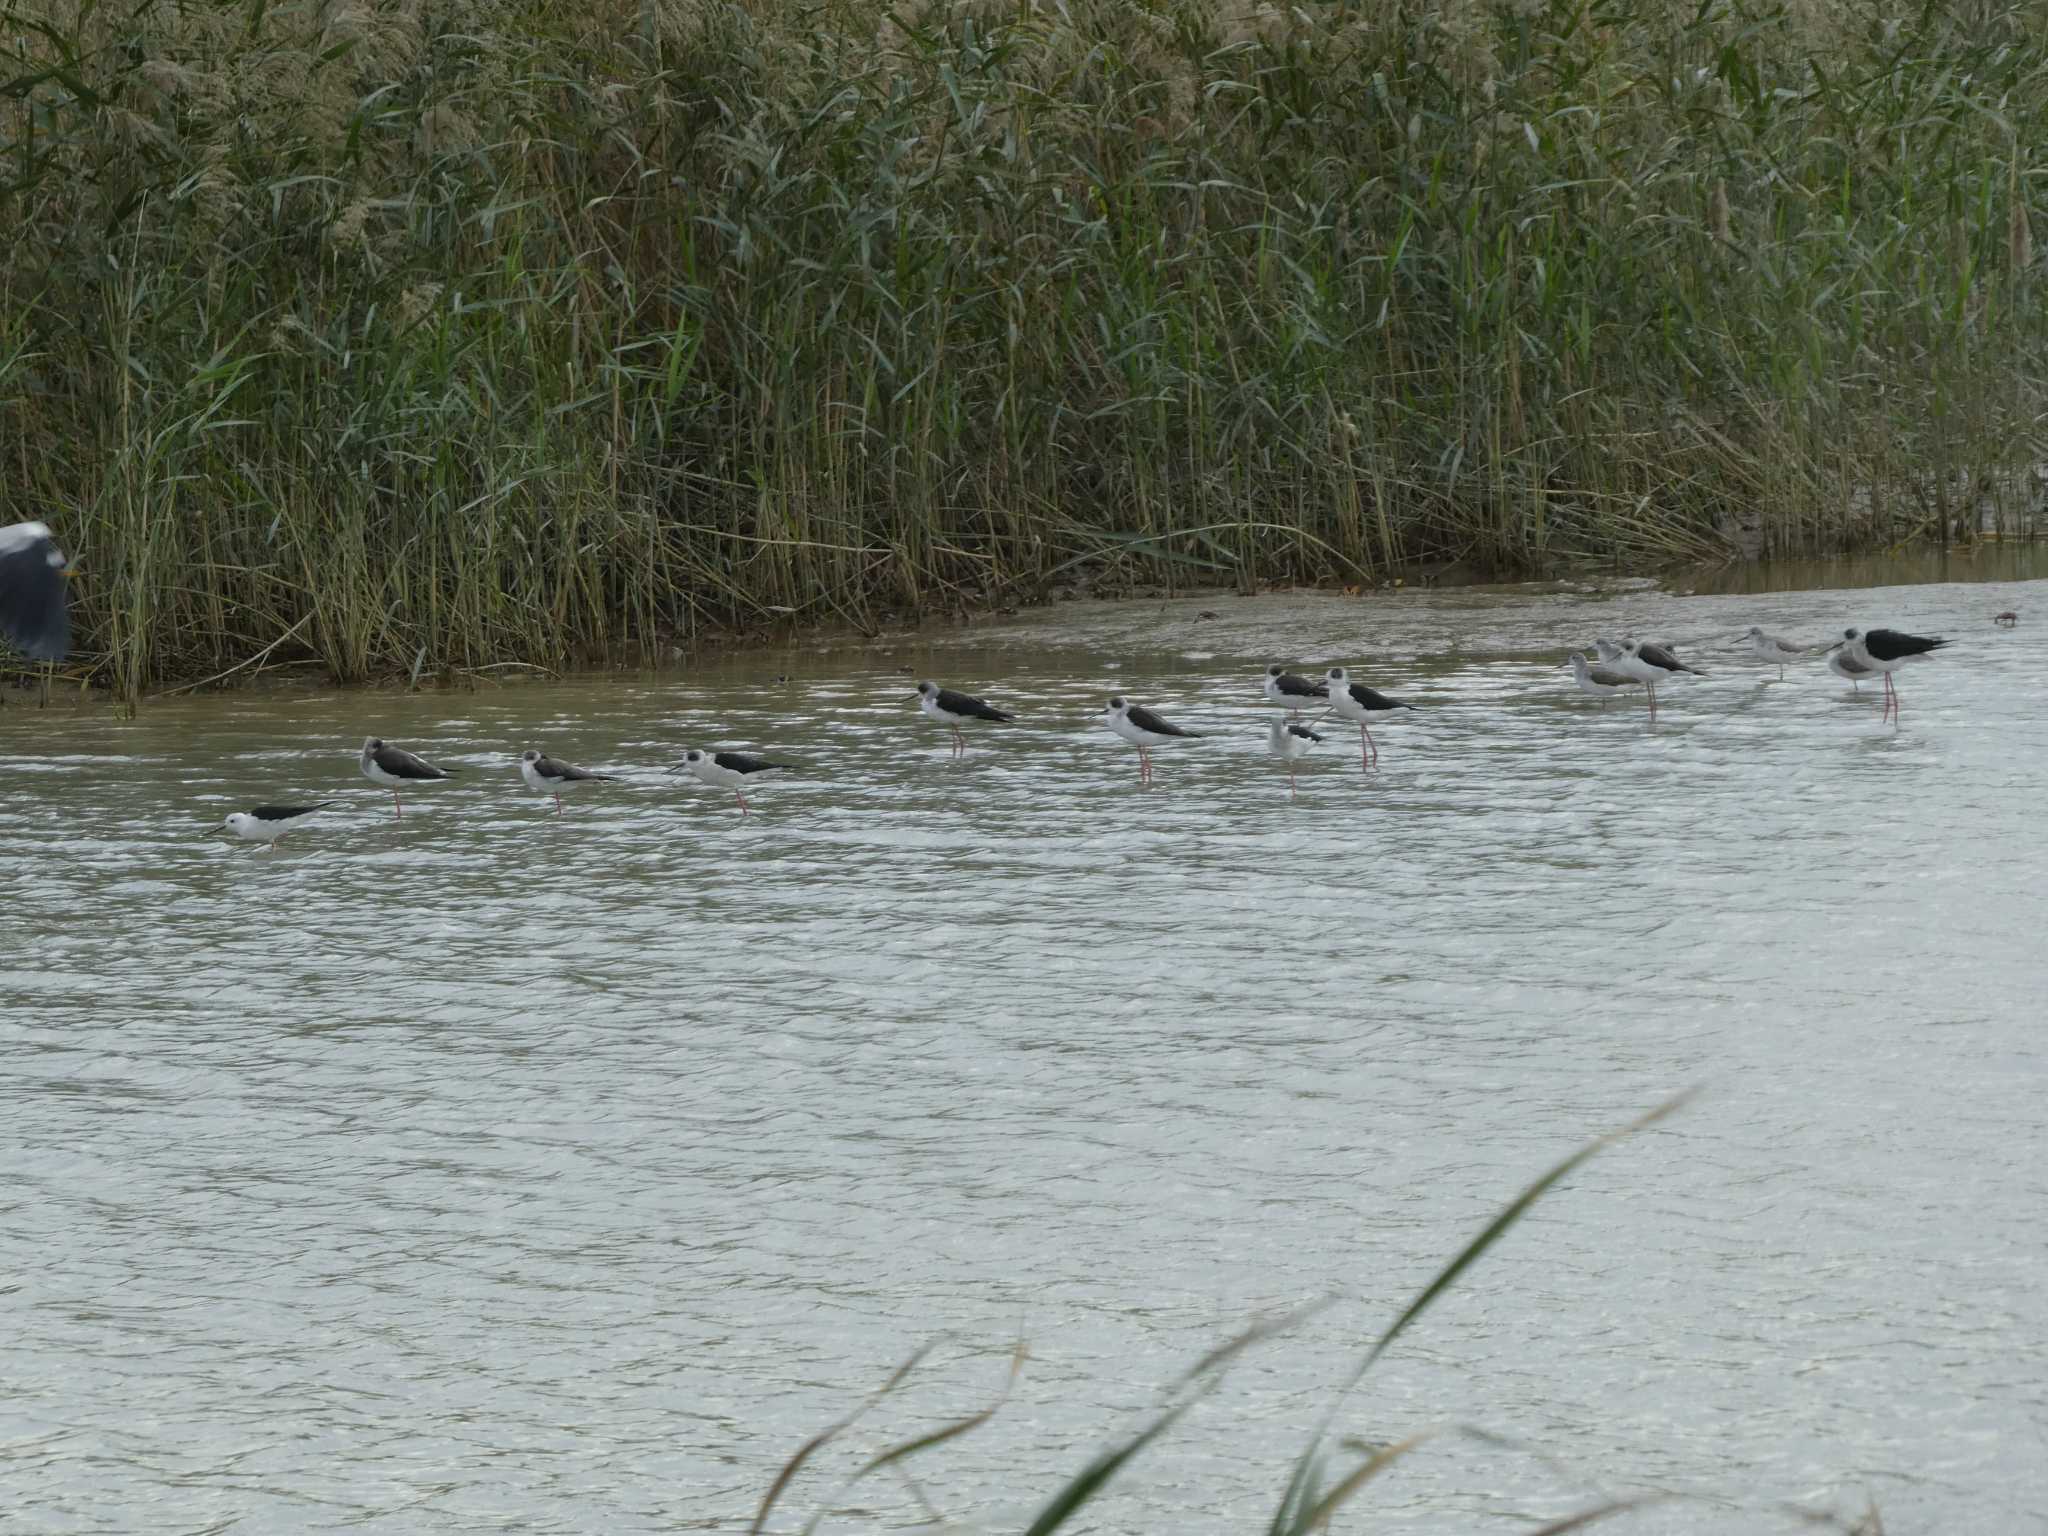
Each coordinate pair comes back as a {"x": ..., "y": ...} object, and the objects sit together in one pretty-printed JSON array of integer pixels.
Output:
[
  {"x": 267, "y": 824},
  {"x": 950, "y": 709},
  {"x": 548, "y": 776},
  {"x": 33, "y": 614},
  {"x": 1143, "y": 730},
  {"x": 1842, "y": 664},
  {"x": 1886, "y": 650},
  {"x": 1650, "y": 665},
  {"x": 727, "y": 770},
  {"x": 1355, "y": 702},
  {"x": 1770, "y": 648},
  {"x": 1292, "y": 692},
  {"x": 1602, "y": 682},
  {"x": 391, "y": 766},
  {"x": 1291, "y": 743}
]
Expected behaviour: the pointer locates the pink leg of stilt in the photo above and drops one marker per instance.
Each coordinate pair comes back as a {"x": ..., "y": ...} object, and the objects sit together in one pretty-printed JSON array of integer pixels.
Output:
[
  {"x": 397, "y": 810},
  {"x": 558, "y": 802},
  {"x": 743, "y": 802},
  {"x": 1363, "y": 760},
  {"x": 1291, "y": 792},
  {"x": 1370, "y": 743}
]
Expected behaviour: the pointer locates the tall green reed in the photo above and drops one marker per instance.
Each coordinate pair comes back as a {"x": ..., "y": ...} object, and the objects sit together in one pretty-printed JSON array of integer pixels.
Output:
[{"x": 452, "y": 334}]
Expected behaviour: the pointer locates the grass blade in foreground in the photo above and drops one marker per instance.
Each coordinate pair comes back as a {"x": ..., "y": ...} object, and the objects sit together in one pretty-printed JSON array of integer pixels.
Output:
[
  {"x": 1292, "y": 1517},
  {"x": 1358, "y": 1477},
  {"x": 827, "y": 1435},
  {"x": 904, "y": 1450},
  {"x": 1586, "y": 1517},
  {"x": 953, "y": 1430},
  {"x": 1098, "y": 1472}
]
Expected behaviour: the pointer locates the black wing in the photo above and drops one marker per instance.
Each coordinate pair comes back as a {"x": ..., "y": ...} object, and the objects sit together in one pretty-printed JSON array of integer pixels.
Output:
[
  {"x": 1372, "y": 698},
  {"x": 287, "y": 812},
  {"x": 1663, "y": 657},
  {"x": 32, "y": 608},
  {"x": 1893, "y": 644},
  {"x": 1145, "y": 720},
  {"x": 966, "y": 704},
  {"x": 548, "y": 768},
  {"x": 744, "y": 762},
  {"x": 1303, "y": 732},
  {"x": 1300, "y": 687},
  {"x": 401, "y": 764}
]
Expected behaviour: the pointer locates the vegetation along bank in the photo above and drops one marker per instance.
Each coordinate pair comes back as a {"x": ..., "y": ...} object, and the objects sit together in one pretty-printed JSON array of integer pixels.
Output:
[{"x": 401, "y": 332}]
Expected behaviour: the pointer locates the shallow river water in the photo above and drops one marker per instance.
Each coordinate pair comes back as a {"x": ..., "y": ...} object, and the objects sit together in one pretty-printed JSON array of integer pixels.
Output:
[{"x": 486, "y": 1170}]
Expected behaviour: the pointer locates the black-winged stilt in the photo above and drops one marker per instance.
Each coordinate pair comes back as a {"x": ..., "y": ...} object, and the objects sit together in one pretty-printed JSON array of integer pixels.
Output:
[
  {"x": 1650, "y": 665},
  {"x": 727, "y": 770},
  {"x": 1291, "y": 743},
  {"x": 1886, "y": 650},
  {"x": 1142, "y": 729},
  {"x": 391, "y": 766},
  {"x": 1355, "y": 702},
  {"x": 2007, "y": 619},
  {"x": 267, "y": 824},
  {"x": 1772, "y": 649},
  {"x": 32, "y": 610},
  {"x": 950, "y": 709},
  {"x": 1290, "y": 691},
  {"x": 1601, "y": 681},
  {"x": 549, "y": 776}
]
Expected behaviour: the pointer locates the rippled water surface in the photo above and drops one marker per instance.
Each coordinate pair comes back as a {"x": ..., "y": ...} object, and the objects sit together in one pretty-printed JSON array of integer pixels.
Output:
[{"x": 484, "y": 1170}]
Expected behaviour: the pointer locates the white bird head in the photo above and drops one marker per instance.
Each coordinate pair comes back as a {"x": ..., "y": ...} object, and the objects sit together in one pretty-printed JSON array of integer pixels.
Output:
[
  {"x": 372, "y": 744},
  {"x": 1338, "y": 676},
  {"x": 1118, "y": 705},
  {"x": 928, "y": 690},
  {"x": 1276, "y": 670},
  {"x": 530, "y": 755}
]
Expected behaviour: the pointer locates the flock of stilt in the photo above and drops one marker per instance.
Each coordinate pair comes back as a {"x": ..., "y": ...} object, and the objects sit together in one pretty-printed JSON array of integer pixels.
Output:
[
  {"x": 1877, "y": 653},
  {"x": 34, "y": 617},
  {"x": 1857, "y": 655}
]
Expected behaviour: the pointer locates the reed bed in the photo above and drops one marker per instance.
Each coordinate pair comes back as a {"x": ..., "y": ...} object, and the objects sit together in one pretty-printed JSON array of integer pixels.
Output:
[{"x": 410, "y": 334}]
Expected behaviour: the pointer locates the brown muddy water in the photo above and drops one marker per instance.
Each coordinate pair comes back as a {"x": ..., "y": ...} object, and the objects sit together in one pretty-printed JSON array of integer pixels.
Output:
[{"x": 489, "y": 1171}]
